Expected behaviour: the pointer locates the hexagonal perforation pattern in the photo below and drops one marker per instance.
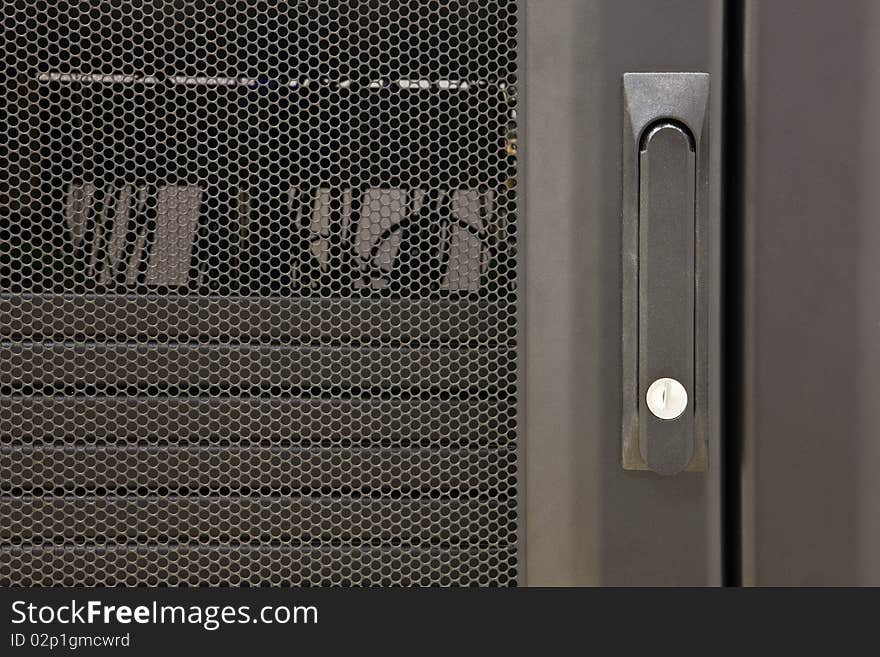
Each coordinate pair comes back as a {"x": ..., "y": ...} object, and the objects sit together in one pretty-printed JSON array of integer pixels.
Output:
[{"x": 258, "y": 293}]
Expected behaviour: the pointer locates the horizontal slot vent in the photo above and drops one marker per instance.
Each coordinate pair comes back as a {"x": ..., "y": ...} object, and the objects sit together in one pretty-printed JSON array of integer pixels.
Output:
[
  {"x": 189, "y": 368},
  {"x": 52, "y": 522},
  {"x": 279, "y": 471},
  {"x": 125, "y": 421},
  {"x": 248, "y": 566},
  {"x": 178, "y": 318}
]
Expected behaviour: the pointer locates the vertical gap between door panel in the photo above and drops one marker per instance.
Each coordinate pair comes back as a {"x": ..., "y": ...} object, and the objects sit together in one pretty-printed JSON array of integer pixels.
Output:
[{"x": 732, "y": 291}]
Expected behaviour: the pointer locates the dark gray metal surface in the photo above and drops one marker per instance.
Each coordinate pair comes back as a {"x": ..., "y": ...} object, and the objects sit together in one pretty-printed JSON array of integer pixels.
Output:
[
  {"x": 811, "y": 492},
  {"x": 588, "y": 520}
]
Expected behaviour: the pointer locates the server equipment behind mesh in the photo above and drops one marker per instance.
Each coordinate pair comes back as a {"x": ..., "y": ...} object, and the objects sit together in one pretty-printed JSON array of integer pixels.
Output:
[{"x": 258, "y": 293}]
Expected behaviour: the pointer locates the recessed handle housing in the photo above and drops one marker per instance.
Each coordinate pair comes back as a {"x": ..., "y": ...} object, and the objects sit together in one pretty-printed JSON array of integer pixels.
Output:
[{"x": 665, "y": 259}]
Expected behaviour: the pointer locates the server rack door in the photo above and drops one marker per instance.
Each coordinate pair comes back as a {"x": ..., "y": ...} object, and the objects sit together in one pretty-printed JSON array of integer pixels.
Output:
[
  {"x": 329, "y": 293},
  {"x": 810, "y": 492},
  {"x": 589, "y": 521}
]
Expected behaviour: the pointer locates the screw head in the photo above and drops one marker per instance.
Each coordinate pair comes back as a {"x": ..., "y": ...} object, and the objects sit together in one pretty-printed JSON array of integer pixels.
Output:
[{"x": 667, "y": 399}]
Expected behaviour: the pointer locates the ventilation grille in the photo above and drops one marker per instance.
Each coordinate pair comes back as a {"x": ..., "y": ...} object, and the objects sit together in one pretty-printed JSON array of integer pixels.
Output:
[{"x": 258, "y": 303}]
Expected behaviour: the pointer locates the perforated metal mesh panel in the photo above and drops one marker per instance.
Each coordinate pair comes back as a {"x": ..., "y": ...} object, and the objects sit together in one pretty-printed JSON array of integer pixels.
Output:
[{"x": 258, "y": 302}]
